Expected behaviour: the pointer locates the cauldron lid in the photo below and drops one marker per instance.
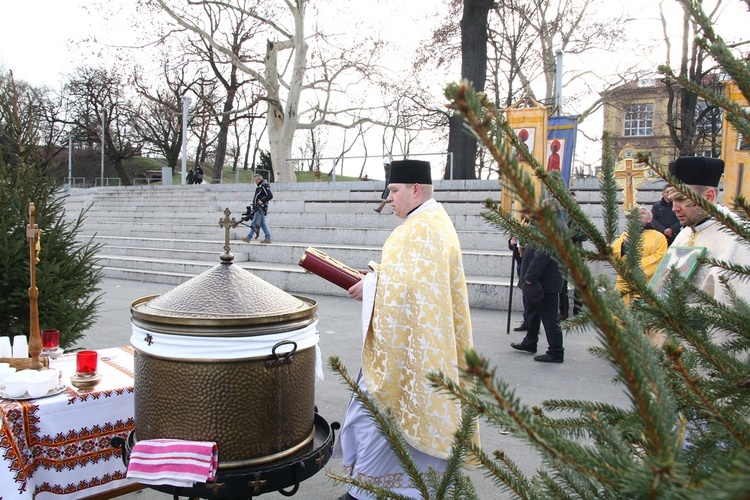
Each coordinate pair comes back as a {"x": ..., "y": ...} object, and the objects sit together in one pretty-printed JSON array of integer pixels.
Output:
[{"x": 225, "y": 295}]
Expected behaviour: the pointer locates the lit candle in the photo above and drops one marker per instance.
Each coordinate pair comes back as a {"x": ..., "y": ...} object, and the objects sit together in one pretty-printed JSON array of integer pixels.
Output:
[
  {"x": 50, "y": 339},
  {"x": 86, "y": 362}
]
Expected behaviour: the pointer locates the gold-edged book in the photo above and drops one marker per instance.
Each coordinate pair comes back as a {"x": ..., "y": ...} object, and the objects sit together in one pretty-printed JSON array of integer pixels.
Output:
[{"x": 328, "y": 268}]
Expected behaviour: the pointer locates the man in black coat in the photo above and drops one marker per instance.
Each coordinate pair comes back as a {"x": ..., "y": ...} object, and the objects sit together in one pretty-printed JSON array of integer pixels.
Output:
[
  {"x": 541, "y": 283},
  {"x": 665, "y": 221}
]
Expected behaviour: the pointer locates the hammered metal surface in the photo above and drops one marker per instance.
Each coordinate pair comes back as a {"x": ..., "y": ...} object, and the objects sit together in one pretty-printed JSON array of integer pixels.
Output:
[
  {"x": 247, "y": 408},
  {"x": 224, "y": 294}
]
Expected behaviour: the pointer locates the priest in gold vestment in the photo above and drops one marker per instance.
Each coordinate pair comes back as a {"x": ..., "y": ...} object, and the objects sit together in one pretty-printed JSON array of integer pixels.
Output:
[{"x": 415, "y": 320}]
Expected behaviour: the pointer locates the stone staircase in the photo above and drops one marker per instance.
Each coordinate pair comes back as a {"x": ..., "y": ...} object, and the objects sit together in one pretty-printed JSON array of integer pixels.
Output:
[{"x": 169, "y": 234}]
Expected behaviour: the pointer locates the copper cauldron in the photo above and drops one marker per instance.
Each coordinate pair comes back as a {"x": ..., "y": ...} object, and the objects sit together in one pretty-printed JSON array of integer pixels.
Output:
[{"x": 227, "y": 357}]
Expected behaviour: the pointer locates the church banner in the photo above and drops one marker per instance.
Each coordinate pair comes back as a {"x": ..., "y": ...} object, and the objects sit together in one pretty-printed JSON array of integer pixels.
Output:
[
  {"x": 735, "y": 151},
  {"x": 561, "y": 145},
  {"x": 528, "y": 119}
]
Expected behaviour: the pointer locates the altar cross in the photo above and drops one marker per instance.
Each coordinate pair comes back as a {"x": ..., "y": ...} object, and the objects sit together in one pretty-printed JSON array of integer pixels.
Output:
[
  {"x": 35, "y": 340},
  {"x": 227, "y": 224}
]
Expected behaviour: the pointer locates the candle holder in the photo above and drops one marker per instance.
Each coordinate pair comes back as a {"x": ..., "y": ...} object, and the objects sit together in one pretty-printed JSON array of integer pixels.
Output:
[
  {"x": 86, "y": 376},
  {"x": 85, "y": 381},
  {"x": 51, "y": 343}
]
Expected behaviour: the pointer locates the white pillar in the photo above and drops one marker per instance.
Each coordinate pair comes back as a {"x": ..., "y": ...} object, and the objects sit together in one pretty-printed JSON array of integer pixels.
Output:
[{"x": 185, "y": 105}]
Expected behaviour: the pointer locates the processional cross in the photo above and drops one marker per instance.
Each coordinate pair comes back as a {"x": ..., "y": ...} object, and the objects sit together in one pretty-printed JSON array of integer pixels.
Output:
[
  {"x": 35, "y": 339},
  {"x": 631, "y": 177},
  {"x": 227, "y": 224}
]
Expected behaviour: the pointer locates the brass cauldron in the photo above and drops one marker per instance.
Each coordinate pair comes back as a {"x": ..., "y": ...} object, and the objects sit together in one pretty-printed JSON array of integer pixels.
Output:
[{"x": 226, "y": 357}]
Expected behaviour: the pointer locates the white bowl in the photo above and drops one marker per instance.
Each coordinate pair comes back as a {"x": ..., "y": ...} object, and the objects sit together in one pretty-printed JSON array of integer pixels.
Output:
[
  {"x": 52, "y": 376},
  {"x": 37, "y": 386},
  {"x": 15, "y": 386},
  {"x": 6, "y": 372}
]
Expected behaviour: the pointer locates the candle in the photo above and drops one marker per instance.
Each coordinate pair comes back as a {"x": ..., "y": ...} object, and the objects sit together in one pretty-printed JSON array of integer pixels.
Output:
[
  {"x": 50, "y": 339},
  {"x": 86, "y": 362}
]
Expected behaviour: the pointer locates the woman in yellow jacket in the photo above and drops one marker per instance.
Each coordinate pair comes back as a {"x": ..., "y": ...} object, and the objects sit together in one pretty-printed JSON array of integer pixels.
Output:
[{"x": 653, "y": 250}]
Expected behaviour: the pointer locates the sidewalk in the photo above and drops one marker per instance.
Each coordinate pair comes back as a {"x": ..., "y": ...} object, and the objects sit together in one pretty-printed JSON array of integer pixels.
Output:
[{"x": 582, "y": 376}]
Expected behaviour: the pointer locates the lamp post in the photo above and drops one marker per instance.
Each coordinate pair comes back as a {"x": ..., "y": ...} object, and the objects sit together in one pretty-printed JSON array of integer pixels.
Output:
[
  {"x": 185, "y": 105},
  {"x": 104, "y": 114},
  {"x": 70, "y": 161}
]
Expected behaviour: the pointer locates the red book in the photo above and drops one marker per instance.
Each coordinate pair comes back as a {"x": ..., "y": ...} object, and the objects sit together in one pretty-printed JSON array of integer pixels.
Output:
[{"x": 319, "y": 263}]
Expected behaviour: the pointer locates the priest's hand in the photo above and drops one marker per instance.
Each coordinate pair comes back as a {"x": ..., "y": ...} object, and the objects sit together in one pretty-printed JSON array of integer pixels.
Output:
[{"x": 355, "y": 291}]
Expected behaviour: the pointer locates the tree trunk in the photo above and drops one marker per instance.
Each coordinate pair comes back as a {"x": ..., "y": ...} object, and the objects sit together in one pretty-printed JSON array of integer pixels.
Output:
[{"x": 474, "y": 69}]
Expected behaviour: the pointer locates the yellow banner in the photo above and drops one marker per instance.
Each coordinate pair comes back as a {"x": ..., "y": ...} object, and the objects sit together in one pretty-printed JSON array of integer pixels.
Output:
[
  {"x": 735, "y": 151},
  {"x": 528, "y": 119}
]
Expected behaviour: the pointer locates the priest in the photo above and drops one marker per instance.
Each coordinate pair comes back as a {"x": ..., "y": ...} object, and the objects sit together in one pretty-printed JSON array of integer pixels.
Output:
[
  {"x": 416, "y": 320},
  {"x": 699, "y": 229}
]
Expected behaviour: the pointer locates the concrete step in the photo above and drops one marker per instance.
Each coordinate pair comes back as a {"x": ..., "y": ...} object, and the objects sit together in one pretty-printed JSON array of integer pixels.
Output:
[
  {"x": 488, "y": 239},
  {"x": 154, "y": 253},
  {"x": 483, "y": 292},
  {"x": 170, "y": 234}
]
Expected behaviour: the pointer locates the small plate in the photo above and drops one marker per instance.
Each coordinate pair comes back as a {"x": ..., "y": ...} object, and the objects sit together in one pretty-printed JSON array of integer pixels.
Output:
[
  {"x": 54, "y": 354},
  {"x": 55, "y": 390}
]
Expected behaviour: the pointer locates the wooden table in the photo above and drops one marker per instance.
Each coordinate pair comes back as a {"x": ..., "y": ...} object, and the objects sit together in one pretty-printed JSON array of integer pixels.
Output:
[{"x": 59, "y": 446}]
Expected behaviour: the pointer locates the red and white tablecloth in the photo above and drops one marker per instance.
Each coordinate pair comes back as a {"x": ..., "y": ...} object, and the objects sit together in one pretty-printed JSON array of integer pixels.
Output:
[{"x": 59, "y": 446}]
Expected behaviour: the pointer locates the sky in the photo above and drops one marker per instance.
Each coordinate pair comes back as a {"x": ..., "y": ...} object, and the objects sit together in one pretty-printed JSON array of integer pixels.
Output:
[{"x": 44, "y": 39}]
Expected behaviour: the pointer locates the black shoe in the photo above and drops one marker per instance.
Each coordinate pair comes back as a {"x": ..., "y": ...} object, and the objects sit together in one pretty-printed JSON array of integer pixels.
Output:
[
  {"x": 546, "y": 358},
  {"x": 521, "y": 328},
  {"x": 524, "y": 347}
]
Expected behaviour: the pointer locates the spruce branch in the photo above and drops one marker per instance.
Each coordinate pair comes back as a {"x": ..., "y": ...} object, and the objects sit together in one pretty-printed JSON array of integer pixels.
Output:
[{"x": 738, "y": 427}]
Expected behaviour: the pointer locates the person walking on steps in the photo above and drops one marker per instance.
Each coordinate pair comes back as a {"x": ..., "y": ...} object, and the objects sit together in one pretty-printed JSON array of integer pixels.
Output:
[
  {"x": 386, "y": 191},
  {"x": 258, "y": 211}
]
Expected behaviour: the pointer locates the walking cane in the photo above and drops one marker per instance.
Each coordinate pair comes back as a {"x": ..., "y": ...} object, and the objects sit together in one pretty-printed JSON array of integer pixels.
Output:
[{"x": 510, "y": 292}]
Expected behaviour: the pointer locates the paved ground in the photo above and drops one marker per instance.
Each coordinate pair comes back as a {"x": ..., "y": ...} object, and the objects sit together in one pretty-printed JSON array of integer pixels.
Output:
[{"x": 582, "y": 376}]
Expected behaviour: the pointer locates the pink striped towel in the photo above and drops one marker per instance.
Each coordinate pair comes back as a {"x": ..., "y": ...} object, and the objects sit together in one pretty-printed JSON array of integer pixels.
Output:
[{"x": 173, "y": 462}]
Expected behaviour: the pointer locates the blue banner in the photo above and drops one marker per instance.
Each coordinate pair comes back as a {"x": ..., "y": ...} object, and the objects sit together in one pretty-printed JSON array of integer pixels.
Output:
[{"x": 561, "y": 145}]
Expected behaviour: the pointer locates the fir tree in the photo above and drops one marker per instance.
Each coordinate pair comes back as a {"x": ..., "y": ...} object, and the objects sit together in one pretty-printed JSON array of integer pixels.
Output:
[
  {"x": 686, "y": 432},
  {"x": 66, "y": 274}
]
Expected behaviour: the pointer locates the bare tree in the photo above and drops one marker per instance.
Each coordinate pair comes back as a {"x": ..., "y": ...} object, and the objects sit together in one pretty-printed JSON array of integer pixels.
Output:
[
  {"x": 473, "y": 68},
  {"x": 694, "y": 123},
  {"x": 283, "y": 70},
  {"x": 93, "y": 97},
  {"x": 159, "y": 119}
]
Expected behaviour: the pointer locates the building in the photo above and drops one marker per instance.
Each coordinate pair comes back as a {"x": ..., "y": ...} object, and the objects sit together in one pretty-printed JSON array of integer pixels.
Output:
[{"x": 638, "y": 113}]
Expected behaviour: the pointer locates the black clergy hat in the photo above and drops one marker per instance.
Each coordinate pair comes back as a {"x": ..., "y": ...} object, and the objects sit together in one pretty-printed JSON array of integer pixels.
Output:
[
  {"x": 410, "y": 172},
  {"x": 697, "y": 170}
]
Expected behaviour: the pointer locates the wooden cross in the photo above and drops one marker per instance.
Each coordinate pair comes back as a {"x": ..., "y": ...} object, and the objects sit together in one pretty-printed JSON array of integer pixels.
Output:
[
  {"x": 632, "y": 178},
  {"x": 227, "y": 224},
  {"x": 35, "y": 338}
]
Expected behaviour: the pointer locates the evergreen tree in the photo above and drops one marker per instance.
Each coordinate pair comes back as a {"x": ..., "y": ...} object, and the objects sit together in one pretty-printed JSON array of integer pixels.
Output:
[
  {"x": 66, "y": 275},
  {"x": 686, "y": 432}
]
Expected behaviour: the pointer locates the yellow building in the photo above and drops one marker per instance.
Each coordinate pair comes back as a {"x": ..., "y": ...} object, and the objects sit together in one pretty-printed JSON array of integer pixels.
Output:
[{"x": 637, "y": 113}]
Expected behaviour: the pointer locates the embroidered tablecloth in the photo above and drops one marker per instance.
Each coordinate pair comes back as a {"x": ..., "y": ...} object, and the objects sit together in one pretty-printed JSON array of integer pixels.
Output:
[{"x": 59, "y": 446}]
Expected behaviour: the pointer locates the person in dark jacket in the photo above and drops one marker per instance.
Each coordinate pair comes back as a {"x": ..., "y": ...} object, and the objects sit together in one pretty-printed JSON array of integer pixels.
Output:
[
  {"x": 539, "y": 272},
  {"x": 664, "y": 219},
  {"x": 258, "y": 210}
]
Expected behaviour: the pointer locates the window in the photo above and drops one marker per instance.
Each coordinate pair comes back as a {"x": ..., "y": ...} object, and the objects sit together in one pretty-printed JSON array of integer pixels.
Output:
[{"x": 639, "y": 119}]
